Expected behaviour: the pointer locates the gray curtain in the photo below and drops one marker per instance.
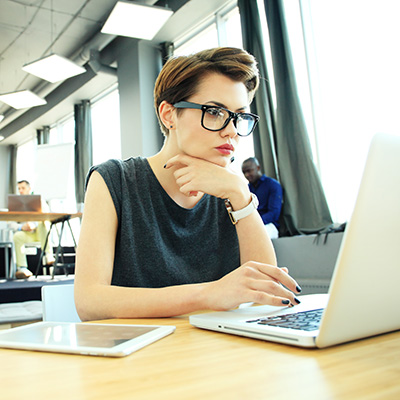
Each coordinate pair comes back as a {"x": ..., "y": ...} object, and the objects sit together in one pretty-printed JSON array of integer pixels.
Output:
[
  {"x": 43, "y": 135},
  {"x": 305, "y": 209},
  {"x": 264, "y": 135},
  {"x": 12, "y": 168},
  {"x": 83, "y": 147}
]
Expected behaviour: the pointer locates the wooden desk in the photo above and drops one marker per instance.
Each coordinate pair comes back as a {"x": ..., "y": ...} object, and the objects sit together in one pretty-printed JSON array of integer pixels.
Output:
[
  {"x": 53, "y": 218},
  {"x": 197, "y": 364},
  {"x": 24, "y": 216}
]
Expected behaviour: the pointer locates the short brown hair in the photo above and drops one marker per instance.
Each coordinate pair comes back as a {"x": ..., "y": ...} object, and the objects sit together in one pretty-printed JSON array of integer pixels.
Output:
[{"x": 180, "y": 76}]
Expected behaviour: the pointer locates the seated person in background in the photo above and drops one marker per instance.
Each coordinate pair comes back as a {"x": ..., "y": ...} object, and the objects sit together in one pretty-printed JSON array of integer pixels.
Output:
[
  {"x": 269, "y": 193},
  {"x": 156, "y": 237},
  {"x": 29, "y": 232}
]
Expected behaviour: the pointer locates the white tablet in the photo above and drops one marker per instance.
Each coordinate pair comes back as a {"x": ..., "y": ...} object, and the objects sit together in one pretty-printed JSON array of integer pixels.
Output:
[{"x": 83, "y": 338}]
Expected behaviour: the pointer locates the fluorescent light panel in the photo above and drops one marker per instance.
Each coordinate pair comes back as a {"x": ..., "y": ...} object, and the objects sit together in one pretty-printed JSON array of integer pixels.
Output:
[
  {"x": 136, "y": 20},
  {"x": 54, "y": 68},
  {"x": 1, "y": 117},
  {"x": 22, "y": 99}
]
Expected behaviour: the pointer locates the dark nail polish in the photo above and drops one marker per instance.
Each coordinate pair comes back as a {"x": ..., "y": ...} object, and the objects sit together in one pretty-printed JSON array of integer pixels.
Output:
[
  {"x": 298, "y": 288},
  {"x": 165, "y": 165},
  {"x": 285, "y": 301},
  {"x": 297, "y": 300}
]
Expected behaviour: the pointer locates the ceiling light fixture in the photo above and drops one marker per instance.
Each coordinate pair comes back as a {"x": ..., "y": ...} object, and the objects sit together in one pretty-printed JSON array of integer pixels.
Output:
[
  {"x": 136, "y": 20},
  {"x": 2, "y": 138},
  {"x": 54, "y": 68},
  {"x": 22, "y": 99},
  {"x": 1, "y": 117}
]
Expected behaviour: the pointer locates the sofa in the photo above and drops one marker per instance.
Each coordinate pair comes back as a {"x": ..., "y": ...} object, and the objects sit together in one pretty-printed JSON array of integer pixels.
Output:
[{"x": 310, "y": 259}]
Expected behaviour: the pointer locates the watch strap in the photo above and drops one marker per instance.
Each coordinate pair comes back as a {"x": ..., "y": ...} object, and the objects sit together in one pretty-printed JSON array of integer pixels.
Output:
[{"x": 235, "y": 216}]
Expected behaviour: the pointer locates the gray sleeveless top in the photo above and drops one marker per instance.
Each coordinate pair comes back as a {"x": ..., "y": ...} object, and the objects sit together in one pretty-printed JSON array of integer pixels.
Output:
[{"x": 158, "y": 242}]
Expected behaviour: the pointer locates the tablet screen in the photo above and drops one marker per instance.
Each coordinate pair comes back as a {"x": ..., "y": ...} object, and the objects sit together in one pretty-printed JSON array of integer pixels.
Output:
[
  {"x": 83, "y": 338},
  {"x": 82, "y": 335}
]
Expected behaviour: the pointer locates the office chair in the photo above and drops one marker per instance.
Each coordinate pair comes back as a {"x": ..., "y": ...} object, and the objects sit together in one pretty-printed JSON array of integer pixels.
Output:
[{"x": 58, "y": 303}]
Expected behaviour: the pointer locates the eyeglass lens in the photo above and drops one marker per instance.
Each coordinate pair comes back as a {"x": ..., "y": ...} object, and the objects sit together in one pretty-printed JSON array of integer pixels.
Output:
[{"x": 217, "y": 118}]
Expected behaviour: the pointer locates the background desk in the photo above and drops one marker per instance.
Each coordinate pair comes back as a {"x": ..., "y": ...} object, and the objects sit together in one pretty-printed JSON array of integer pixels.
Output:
[
  {"x": 52, "y": 217},
  {"x": 197, "y": 364},
  {"x": 24, "y": 216}
]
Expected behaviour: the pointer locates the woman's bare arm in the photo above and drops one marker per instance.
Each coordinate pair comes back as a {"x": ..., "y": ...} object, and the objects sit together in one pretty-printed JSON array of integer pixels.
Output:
[{"x": 95, "y": 297}]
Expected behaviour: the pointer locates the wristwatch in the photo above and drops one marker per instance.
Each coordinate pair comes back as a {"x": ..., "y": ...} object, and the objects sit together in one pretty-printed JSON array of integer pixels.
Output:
[{"x": 244, "y": 212}]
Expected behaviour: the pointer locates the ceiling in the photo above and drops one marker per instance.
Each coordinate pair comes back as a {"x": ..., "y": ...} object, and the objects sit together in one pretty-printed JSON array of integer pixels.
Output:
[{"x": 31, "y": 29}]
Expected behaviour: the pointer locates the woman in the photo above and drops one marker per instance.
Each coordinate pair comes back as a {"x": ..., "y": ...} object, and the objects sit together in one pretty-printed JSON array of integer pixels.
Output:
[{"x": 157, "y": 236}]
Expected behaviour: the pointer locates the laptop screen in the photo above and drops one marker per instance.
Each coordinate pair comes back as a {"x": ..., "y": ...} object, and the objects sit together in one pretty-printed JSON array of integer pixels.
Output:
[{"x": 28, "y": 202}]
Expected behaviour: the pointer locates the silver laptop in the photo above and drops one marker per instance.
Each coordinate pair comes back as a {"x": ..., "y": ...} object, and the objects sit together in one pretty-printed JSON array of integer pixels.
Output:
[
  {"x": 24, "y": 202},
  {"x": 363, "y": 295}
]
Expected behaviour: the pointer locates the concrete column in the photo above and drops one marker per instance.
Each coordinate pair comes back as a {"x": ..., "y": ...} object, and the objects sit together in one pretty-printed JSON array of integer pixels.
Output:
[
  {"x": 139, "y": 63},
  {"x": 4, "y": 177}
]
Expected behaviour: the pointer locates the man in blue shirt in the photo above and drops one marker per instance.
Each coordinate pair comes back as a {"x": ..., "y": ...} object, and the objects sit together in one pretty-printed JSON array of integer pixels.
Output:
[{"x": 269, "y": 193}]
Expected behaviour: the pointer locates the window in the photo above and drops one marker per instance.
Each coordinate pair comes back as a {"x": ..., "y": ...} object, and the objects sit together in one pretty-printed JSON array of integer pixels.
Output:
[
  {"x": 106, "y": 127},
  {"x": 63, "y": 131},
  {"x": 26, "y": 159},
  {"x": 232, "y": 27},
  {"x": 223, "y": 29},
  {"x": 205, "y": 39},
  {"x": 354, "y": 84}
]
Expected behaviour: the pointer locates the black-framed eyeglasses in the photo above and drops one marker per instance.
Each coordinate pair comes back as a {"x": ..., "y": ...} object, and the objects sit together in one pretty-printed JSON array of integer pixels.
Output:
[{"x": 215, "y": 118}]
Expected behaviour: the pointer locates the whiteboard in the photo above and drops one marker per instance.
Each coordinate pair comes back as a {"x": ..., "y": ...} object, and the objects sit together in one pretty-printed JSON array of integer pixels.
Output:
[{"x": 54, "y": 172}]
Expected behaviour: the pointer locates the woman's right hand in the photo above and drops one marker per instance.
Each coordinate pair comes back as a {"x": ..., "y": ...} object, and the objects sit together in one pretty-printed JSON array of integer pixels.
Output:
[{"x": 252, "y": 282}]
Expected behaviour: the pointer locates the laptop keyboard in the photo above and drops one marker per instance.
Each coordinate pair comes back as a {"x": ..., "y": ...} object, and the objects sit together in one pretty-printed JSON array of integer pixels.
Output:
[{"x": 304, "y": 320}]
